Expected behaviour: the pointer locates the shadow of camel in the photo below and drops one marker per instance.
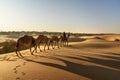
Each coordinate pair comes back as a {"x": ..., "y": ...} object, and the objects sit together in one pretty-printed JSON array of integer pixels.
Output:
[
  {"x": 117, "y": 58},
  {"x": 109, "y": 63},
  {"x": 93, "y": 45},
  {"x": 92, "y": 72},
  {"x": 111, "y": 53}
]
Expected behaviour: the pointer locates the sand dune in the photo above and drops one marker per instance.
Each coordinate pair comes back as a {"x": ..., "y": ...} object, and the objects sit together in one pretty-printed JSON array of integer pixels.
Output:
[
  {"x": 95, "y": 57},
  {"x": 92, "y": 59},
  {"x": 111, "y": 37}
]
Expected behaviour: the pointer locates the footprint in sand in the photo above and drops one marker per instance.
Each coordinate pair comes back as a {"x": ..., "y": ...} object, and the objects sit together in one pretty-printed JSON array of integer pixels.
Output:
[
  {"x": 24, "y": 63},
  {"x": 15, "y": 69},
  {"x": 6, "y": 58},
  {"x": 23, "y": 73},
  {"x": 17, "y": 78},
  {"x": 11, "y": 59},
  {"x": 18, "y": 66}
]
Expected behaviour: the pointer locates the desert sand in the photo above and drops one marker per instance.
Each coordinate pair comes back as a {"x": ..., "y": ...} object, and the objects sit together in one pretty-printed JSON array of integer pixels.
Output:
[{"x": 91, "y": 59}]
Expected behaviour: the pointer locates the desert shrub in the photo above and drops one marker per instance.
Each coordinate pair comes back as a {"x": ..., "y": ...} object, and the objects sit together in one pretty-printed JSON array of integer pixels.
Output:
[{"x": 8, "y": 46}]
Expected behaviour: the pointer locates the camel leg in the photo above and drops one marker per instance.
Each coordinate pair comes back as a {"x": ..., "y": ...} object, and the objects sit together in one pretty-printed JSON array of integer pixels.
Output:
[
  {"x": 17, "y": 52},
  {"x": 48, "y": 44},
  {"x": 67, "y": 42},
  {"x": 45, "y": 46},
  {"x": 58, "y": 44},
  {"x": 19, "y": 55},
  {"x": 32, "y": 51},
  {"x": 48, "y": 47},
  {"x": 39, "y": 48},
  {"x": 17, "y": 48},
  {"x": 53, "y": 45},
  {"x": 36, "y": 48}
]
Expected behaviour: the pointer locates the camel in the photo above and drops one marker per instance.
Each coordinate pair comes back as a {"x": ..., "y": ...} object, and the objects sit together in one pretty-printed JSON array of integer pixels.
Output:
[
  {"x": 42, "y": 39},
  {"x": 46, "y": 41},
  {"x": 54, "y": 41},
  {"x": 24, "y": 41},
  {"x": 38, "y": 41}
]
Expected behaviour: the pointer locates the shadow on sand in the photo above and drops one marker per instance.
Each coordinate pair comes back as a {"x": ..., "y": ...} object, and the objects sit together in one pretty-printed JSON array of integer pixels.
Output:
[
  {"x": 92, "y": 72},
  {"x": 110, "y": 63}
]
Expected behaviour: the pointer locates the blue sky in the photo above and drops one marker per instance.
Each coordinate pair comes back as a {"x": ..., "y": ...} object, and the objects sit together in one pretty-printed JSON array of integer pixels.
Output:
[{"x": 89, "y": 16}]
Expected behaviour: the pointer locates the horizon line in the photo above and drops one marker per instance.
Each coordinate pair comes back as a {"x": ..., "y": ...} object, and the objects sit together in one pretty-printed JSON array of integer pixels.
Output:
[{"x": 63, "y": 31}]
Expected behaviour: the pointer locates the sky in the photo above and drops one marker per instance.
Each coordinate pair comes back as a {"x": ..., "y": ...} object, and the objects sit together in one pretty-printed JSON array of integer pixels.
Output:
[{"x": 81, "y": 16}]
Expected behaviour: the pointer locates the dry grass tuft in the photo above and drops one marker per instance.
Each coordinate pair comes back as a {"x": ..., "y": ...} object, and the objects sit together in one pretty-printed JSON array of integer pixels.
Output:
[{"x": 8, "y": 46}]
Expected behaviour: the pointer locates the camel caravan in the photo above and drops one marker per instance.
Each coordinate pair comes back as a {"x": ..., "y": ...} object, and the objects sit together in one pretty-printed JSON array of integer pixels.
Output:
[{"x": 31, "y": 42}]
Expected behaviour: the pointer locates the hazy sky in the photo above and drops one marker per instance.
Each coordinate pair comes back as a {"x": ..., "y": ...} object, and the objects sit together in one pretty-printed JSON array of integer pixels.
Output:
[{"x": 88, "y": 16}]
